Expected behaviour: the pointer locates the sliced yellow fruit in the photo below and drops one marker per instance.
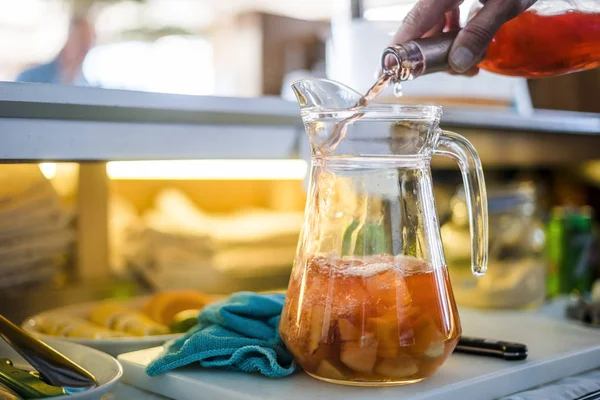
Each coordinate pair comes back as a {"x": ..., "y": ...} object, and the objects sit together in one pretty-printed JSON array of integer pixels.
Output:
[
  {"x": 425, "y": 333},
  {"x": 328, "y": 370},
  {"x": 360, "y": 356},
  {"x": 386, "y": 331},
  {"x": 397, "y": 367},
  {"x": 117, "y": 317},
  {"x": 107, "y": 314},
  {"x": 348, "y": 332},
  {"x": 389, "y": 287},
  {"x": 316, "y": 327},
  {"x": 164, "y": 306},
  {"x": 184, "y": 321},
  {"x": 435, "y": 349},
  {"x": 69, "y": 326}
]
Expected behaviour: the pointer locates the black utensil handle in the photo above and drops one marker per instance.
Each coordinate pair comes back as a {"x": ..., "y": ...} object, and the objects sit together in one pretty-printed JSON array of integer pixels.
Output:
[{"x": 492, "y": 348}]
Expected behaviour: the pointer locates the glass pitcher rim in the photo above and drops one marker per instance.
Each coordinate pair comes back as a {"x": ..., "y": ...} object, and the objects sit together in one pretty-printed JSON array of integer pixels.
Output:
[
  {"x": 373, "y": 110},
  {"x": 379, "y": 111}
]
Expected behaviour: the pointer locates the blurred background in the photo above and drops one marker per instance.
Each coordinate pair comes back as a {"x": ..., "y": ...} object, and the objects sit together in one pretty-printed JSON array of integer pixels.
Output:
[
  {"x": 240, "y": 48},
  {"x": 184, "y": 47},
  {"x": 226, "y": 226}
]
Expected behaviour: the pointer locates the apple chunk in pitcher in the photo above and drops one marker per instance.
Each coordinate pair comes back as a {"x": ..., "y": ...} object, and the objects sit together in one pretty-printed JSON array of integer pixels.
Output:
[{"x": 379, "y": 319}]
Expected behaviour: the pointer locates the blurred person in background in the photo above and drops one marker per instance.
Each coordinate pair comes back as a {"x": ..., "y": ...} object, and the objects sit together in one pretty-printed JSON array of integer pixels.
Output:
[{"x": 66, "y": 67}]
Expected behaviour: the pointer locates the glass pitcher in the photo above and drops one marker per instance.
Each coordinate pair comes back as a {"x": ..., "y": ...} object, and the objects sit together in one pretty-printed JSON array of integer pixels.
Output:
[{"x": 369, "y": 301}]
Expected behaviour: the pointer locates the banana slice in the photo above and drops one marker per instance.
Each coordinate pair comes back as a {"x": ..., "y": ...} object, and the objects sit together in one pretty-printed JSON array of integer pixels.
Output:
[
  {"x": 122, "y": 319},
  {"x": 68, "y": 326}
]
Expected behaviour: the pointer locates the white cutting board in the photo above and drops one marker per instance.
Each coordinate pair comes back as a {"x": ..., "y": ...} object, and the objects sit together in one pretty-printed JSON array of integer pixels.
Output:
[{"x": 557, "y": 348}]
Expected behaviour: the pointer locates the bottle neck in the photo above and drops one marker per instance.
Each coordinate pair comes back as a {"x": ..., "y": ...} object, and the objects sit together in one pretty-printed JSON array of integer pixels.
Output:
[{"x": 417, "y": 57}]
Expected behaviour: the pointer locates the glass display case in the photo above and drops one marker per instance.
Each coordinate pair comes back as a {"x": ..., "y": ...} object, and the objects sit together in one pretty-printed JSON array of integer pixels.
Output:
[{"x": 117, "y": 158}]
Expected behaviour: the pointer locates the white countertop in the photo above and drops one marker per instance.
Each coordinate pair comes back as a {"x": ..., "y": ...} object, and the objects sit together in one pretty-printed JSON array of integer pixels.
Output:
[{"x": 557, "y": 349}]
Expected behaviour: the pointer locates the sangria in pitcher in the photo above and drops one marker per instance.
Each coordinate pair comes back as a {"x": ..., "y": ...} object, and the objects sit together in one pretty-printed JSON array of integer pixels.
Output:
[{"x": 369, "y": 302}]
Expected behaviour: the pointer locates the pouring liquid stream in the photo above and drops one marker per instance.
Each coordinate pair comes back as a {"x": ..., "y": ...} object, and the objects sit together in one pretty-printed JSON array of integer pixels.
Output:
[{"x": 340, "y": 128}]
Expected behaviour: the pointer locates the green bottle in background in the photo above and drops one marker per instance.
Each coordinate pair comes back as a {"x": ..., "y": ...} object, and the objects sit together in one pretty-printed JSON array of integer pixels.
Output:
[
  {"x": 569, "y": 244},
  {"x": 554, "y": 251}
]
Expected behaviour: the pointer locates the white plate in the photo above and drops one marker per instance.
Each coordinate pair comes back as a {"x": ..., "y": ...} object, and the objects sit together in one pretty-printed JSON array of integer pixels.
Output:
[
  {"x": 113, "y": 346},
  {"x": 105, "y": 368}
]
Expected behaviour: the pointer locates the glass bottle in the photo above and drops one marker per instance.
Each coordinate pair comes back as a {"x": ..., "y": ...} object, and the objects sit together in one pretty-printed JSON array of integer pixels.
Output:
[{"x": 551, "y": 38}]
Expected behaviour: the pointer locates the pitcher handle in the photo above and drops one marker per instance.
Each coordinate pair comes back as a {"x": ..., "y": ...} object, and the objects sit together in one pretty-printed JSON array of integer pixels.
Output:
[{"x": 457, "y": 147}]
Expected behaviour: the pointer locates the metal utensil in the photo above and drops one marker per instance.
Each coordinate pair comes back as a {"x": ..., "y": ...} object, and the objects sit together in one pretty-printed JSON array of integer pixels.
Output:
[
  {"x": 25, "y": 383},
  {"x": 53, "y": 367},
  {"x": 8, "y": 394}
]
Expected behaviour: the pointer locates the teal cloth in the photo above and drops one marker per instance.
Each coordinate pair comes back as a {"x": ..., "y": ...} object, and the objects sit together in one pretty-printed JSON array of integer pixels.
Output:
[{"x": 238, "y": 334}]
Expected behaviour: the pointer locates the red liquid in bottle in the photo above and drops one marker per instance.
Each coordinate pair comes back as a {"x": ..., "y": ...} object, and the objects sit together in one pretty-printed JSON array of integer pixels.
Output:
[{"x": 534, "y": 45}]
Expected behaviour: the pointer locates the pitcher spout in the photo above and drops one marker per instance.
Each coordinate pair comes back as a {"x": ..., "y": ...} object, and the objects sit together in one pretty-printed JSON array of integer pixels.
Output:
[{"x": 322, "y": 94}]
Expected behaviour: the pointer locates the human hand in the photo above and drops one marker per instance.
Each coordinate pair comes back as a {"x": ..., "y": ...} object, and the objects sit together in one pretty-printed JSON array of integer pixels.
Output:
[{"x": 432, "y": 17}]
